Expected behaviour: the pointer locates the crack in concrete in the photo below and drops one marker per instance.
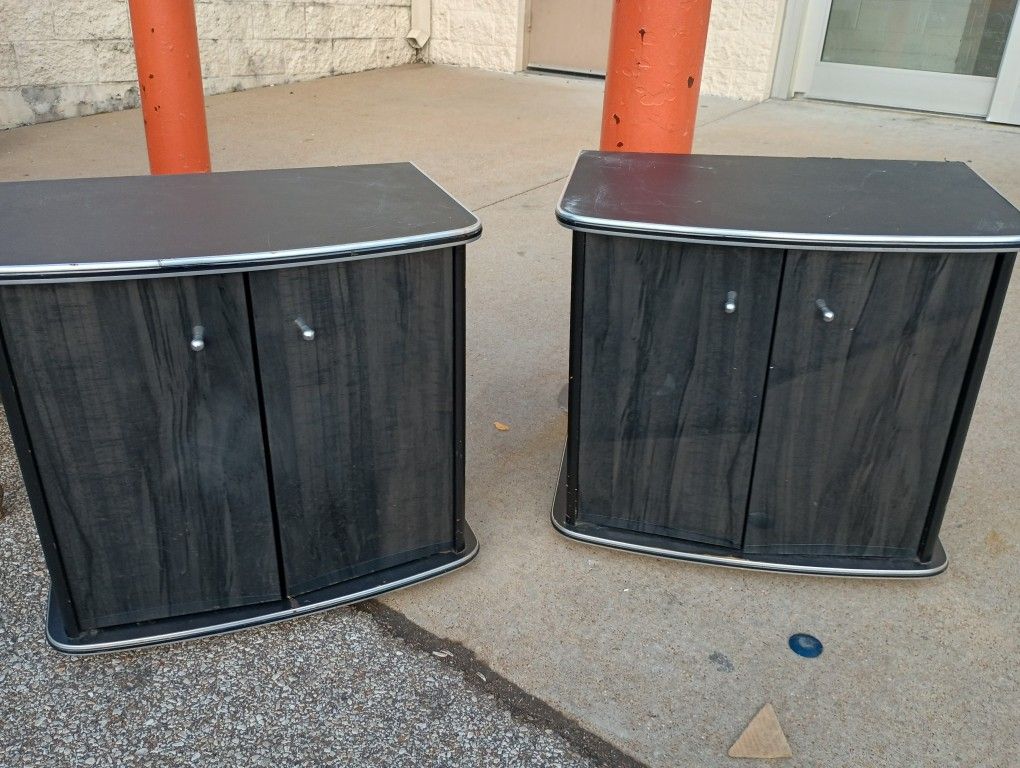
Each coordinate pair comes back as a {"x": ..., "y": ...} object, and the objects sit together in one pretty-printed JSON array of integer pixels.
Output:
[
  {"x": 480, "y": 676},
  {"x": 564, "y": 178},
  {"x": 518, "y": 194}
]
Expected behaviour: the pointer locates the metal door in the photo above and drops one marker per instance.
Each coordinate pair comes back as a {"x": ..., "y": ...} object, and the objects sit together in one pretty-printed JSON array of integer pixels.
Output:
[
  {"x": 569, "y": 35},
  {"x": 955, "y": 56}
]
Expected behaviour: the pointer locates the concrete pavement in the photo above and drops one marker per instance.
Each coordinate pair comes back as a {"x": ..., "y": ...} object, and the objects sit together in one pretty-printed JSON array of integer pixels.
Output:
[{"x": 667, "y": 661}]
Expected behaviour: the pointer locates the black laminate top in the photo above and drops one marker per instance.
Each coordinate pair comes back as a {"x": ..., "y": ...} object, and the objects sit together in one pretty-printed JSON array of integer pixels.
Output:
[
  {"x": 789, "y": 202},
  {"x": 75, "y": 228}
]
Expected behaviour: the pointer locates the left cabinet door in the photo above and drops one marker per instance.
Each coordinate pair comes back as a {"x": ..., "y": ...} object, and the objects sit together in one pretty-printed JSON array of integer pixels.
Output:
[
  {"x": 674, "y": 354},
  {"x": 150, "y": 453}
]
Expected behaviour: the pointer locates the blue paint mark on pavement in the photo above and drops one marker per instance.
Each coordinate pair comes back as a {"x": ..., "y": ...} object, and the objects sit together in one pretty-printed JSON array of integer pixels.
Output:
[{"x": 807, "y": 646}]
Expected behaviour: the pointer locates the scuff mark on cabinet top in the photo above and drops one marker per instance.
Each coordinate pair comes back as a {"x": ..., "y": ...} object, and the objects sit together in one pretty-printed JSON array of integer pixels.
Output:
[
  {"x": 787, "y": 202},
  {"x": 148, "y": 226}
]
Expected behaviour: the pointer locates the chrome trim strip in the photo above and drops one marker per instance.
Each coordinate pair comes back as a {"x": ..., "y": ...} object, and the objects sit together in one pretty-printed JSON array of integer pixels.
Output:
[
  {"x": 596, "y": 225},
  {"x": 637, "y": 228},
  {"x": 387, "y": 246},
  {"x": 263, "y": 619},
  {"x": 789, "y": 244},
  {"x": 738, "y": 562},
  {"x": 390, "y": 247},
  {"x": 225, "y": 270},
  {"x": 99, "y": 266}
]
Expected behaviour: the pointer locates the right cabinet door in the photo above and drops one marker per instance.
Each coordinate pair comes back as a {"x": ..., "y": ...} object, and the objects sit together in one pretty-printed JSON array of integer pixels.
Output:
[
  {"x": 860, "y": 402},
  {"x": 357, "y": 371}
]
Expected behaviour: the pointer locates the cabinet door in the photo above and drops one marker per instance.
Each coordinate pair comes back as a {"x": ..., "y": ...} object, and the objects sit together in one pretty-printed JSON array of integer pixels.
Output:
[
  {"x": 150, "y": 454},
  {"x": 671, "y": 384},
  {"x": 360, "y": 415},
  {"x": 858, "y": 410}
]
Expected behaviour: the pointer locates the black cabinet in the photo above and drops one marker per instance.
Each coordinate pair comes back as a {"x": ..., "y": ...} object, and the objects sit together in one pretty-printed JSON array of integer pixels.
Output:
[
  {"x": 238, "y": 397},
  {"x": 773, "y": 361}
]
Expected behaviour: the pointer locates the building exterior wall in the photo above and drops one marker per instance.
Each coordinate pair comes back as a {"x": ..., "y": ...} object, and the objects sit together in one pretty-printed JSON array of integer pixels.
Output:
[
  {"x": 743, "y": 40},
  {"x": 475, "y": 33},
  {"x": 739, "y": 61},
  {"x": 62, "y": 58}
]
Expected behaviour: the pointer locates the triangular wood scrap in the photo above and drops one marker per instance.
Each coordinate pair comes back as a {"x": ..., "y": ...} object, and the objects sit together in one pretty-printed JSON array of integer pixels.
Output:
[{"x": 763, "y": 737}]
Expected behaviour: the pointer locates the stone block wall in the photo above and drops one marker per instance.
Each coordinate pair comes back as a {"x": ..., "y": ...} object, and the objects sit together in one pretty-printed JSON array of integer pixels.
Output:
[
  {"x": 743, "y": 37},
  {"x": 62, "y": 58},
  {"x": 475, "y": 33}
]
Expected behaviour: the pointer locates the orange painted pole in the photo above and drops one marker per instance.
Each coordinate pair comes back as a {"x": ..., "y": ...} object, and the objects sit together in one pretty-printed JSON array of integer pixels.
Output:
[
  {"x": 653, "y": 78},
  {"x": 170, "y": 82}
]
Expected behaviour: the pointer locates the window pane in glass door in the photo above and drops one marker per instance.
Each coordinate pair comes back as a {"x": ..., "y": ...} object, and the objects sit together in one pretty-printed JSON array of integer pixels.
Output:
[{"x": 965, "y": 37}]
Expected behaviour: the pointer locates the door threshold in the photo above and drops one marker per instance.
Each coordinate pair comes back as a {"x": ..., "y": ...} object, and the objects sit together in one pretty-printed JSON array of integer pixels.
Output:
[
  {"x": 803, "y": 97},
  {"x": 537, "y": 69}
]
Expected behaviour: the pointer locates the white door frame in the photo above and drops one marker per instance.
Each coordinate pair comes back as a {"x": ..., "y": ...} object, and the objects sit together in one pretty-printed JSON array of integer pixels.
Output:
[
  {"x": 1006, "y": 99},
  {"x": 799, "y": 69}
]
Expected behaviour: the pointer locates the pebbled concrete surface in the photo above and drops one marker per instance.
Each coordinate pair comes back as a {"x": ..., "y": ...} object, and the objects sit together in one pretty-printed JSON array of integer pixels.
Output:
[
  {"x": 331, "y": 689},
  {"x": 668, "y": 661}
]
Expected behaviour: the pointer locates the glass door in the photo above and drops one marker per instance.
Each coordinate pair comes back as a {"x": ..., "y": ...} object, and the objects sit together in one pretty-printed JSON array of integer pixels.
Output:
[{"x": 935, "y": 55}]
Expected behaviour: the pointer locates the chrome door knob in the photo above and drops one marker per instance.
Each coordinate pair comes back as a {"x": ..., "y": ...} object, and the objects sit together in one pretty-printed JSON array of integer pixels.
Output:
[
  {"x": 827, "y": 314},
  {"x": 197, "y": 338},
  {"x": 307, "y": 333}
]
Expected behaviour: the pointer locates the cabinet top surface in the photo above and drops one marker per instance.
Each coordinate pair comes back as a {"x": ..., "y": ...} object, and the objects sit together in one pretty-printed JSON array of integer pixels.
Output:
[
  {"x": 141, "y": 225},
  {"x": 789, "y": 202}
]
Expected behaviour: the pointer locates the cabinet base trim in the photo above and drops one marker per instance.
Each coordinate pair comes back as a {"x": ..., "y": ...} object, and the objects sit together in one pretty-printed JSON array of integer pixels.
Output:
[
  {"x": 666, "y": 547},
  {"x": 179, "y": 628}
]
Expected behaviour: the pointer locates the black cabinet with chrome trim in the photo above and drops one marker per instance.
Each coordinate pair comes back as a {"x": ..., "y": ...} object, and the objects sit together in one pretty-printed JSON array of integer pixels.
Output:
[
  {"x": 235, "y": 397},
  {"x": 774, "y": 360}
]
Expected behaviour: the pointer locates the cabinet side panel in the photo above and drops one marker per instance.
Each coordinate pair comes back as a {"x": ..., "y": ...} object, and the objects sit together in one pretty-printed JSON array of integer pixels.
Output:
[
  {"x": 574, "y": 378},
  {"x": 60, "y": 596},
  {"x": 971, "y": 387},
  {"x": 149, "y": 453},
  {"x": 360, "y": 418},
  {"x": 858, "y": 410},
  {"x": 459, "y": 343},
  {"x": 671, "y": 384}
]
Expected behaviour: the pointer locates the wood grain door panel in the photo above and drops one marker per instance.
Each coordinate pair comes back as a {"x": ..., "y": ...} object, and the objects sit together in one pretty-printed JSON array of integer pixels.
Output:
[
  {"x": 858, "y": 410},
  {"x": 671, "y": 384},
  {"x": 360, "y": 419},
  {"x": 150, "y": 454}
]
